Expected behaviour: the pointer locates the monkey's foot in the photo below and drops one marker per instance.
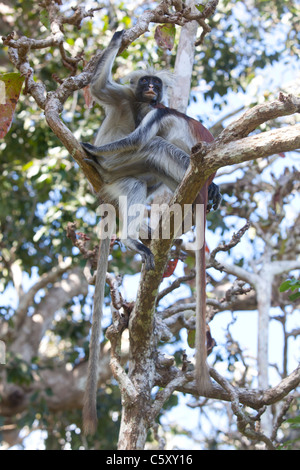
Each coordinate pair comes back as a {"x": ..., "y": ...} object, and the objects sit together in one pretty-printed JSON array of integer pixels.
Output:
[
  {"x": 118, "y": 36},
  {"x": 214, "y": 197},
  {"x": 149, "y": 262},
  {"x": 141, "y": 249}
]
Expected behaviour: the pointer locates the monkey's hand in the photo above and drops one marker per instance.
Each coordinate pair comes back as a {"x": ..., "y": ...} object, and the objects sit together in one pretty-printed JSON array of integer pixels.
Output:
[
  {"x": 91, "y": 149},
  {"x": 99, "y": 152},
  {"x": 214, "y": 197},
  {"x": 117, "y": 38}
]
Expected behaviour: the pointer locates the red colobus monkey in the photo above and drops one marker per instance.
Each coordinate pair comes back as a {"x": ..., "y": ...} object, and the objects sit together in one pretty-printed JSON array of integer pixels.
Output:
[{"x": 140, "y": 145}]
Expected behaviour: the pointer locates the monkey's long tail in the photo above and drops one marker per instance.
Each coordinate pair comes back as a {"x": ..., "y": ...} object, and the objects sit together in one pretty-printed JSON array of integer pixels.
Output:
[
  {"x": 203, "y": 381},
  {"x": 90, "y": 396}
]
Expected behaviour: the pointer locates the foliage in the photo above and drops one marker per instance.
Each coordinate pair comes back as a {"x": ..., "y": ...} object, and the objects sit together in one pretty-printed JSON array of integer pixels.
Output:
[
  {"x": 11, "y": 84},
  {"x": 43, "y": 189},
  {"x": 291, "y": 284}
]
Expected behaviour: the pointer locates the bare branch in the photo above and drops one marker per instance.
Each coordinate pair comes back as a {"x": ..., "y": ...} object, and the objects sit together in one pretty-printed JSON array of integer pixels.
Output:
[
  {"x": 114, "y": 333},
  {"x": 236, "y": 238},
  {"x": 245, "y": 422},
  {"x": 254, "y": 117},
  {"x": 175, "y": 284},
  {"x": 27, "y": 299},
  {"x": 281, "y": 416},
  {"x": 249, "y": 148},
  {"x": 163, "y": 395}
]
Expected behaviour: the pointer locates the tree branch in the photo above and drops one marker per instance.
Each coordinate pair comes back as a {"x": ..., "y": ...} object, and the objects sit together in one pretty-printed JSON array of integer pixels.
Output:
[
  {"x": 29, "y": 333},
  {"x": 249, "y": 148},
  {"x": 254, "y": 117},
  {"x": 27, "y": 299}
]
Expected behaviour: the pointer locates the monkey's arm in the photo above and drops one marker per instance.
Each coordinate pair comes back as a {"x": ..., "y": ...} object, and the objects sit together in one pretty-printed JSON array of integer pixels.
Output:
[
  {"x": 165, "y": 161},
  {"x": 103, "y": 88},
  {"x": 138, "y": 139}
]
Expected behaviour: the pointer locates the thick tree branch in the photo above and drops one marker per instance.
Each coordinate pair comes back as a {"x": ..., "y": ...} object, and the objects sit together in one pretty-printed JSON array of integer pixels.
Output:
[
  {"x": 254, "y": 117},
  {"x": 27, "y": 299},
  {"x": 248, "y": 148},
  {"x": 68, "y": 388},
  {"x": 29, "y": 333},
  {"x": 255, "y": 399}
]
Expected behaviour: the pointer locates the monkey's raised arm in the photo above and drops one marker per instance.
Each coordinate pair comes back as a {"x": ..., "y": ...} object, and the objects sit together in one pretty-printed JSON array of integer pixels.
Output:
[{"x": 103, "y": 88}]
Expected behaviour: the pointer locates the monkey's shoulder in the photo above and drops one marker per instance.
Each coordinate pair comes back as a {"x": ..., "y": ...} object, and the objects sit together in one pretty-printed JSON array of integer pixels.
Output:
[
  {"x": 163, "y": 111},
  {"x": 198, "y": 130}
]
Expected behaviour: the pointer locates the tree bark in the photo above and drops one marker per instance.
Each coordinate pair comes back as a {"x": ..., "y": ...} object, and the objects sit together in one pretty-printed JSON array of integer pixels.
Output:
[
  {"x": 134, "y": 427},
  {"x": 264, "y": 294},
  {"x": 184, "y": 64}
]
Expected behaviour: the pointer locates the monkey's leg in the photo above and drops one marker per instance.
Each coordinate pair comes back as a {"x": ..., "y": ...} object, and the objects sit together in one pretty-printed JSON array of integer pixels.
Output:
[
  {"x": 160, "y": 158},
  {"x": 169, "y": 161},
  {"x": 131, "y": 195}
]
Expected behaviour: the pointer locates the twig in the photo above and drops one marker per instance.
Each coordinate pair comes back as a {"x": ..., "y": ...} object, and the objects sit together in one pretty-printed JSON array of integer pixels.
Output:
[
  {"x": 175, "y": 284},
  {"x": 245, "y": 423},
  {"x": 236, "y": 238},
  {"x": 281, "y": 416},
  {"x": 114, "y": 333}
]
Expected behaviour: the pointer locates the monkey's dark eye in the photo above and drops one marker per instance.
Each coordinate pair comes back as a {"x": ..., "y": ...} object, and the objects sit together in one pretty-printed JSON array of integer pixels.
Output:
[{"x": 143, "y": 80}]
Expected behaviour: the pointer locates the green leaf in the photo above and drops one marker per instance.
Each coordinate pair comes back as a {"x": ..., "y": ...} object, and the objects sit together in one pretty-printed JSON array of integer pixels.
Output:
[
  {"x": 191, "y": 338},
  {"x": 165, "y": 36},
  {"x": 10, "y": 89},
  {"x": 294, "y": 296},
  {"x": 284, "y": 286},
  {"x": 200, "y": 7},
  {"x": 291, "y": 284},
  {"x": 27, "y": 166}
]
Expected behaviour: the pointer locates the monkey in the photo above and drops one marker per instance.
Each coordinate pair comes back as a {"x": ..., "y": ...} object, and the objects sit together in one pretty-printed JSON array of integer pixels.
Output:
[
  {"x": 185, "y": 132},
  {"x": 121, "y": 110},
  {"x": 147, "y": 144},
  {"x": 153, "y": 149}
]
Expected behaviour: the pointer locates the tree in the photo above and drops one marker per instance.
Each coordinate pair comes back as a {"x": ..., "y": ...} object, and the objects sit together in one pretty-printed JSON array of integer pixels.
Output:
[{"x": 53, "y": 308}]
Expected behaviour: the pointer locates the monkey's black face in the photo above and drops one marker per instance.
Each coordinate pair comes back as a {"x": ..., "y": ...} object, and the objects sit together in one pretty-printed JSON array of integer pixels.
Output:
[{"x": 149, "y": 89}]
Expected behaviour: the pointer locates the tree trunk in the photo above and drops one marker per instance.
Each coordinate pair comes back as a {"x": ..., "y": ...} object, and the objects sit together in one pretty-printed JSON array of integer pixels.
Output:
[
  {"x": 184, "y": 64},
  {"x": 136, "y": 411},
  {"x": 135, "y": 420},
  {"x": 264, "y": 295},
  {"x": 134, "y": 428}
]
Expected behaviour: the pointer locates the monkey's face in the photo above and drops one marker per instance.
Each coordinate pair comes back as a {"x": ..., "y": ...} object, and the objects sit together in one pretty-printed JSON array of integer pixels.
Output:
[{"x": 149, "y": 89}]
